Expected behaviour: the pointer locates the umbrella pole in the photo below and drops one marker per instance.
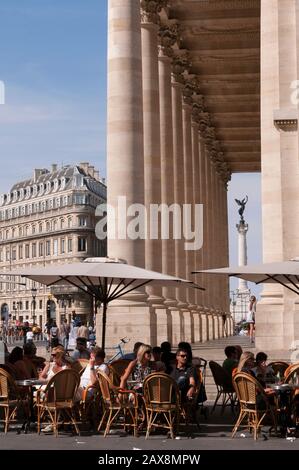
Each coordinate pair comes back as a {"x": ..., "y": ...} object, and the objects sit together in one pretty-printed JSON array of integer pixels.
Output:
[{"x": 104, "y": 325}]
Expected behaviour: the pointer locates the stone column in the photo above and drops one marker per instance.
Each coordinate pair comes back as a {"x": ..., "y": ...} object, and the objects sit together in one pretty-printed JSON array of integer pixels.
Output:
[
  {"x": 203, "y": 201},
  {"x": 280, "y": 195},
  {"x": 152, "y": 154},
  {"x": 167, "y": 38},
  {"x": 242, "y": 229},
  {"x": 188, "y": 186},
  {"x": 125, "y": 167},
  {"x": 180, "y": 259},
  {"x": 197, "y": 254}
]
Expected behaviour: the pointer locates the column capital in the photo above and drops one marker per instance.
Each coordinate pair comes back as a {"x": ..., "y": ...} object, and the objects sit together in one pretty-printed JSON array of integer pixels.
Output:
[
  {"x": 150, "y": 10},
  {"x": 181, "y": 65},
  {"x": 169, "y": 35}
]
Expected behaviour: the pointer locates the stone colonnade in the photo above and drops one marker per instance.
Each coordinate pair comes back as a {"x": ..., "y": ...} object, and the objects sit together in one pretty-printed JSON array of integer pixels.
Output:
[{"x": 163, "y": 148}]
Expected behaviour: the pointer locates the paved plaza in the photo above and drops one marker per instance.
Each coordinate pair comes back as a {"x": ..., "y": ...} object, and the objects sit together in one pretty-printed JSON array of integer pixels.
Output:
[{"x": 214, "y": 434}]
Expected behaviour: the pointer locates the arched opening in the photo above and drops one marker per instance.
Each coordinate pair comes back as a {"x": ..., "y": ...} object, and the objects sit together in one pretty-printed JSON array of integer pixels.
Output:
[{"x": 4, "y": 312}]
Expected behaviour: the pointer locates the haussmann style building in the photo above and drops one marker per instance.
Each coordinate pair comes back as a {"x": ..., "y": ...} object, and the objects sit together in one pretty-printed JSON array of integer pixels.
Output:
[{"x": 50, "y": 218}]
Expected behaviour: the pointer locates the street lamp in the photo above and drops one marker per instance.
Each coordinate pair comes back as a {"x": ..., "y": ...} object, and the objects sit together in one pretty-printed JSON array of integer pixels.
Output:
[{"x": 33, "y": 293}]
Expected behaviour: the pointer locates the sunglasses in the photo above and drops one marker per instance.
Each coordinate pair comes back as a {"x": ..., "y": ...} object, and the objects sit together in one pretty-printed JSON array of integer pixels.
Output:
[{"x": 182, "y": 355}]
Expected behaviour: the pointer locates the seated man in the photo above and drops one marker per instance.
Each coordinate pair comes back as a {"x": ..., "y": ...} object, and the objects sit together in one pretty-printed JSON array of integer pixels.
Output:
[
  {"x": 89, "y": 376},
  {"x": 184, "y": 375},
  {"x": 263, "y": 373},
  {"x": 231, "y": 361},
  {"x": 81, "y": 351}
]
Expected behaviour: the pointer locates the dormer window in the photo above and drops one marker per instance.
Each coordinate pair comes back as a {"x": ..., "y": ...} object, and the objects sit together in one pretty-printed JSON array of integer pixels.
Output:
[
  {"x": 21, "y": 194},
  {"x": 48, "y": 187},
  {"x": 62, "y": 183},
  {"x": 56, "y": 184},
  {"x": 34, "y": 192}
]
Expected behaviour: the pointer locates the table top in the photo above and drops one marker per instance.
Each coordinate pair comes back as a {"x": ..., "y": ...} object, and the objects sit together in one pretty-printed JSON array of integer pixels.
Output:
[
  {"x": 283, "y": 387},
  {"x": 30, "y": 382}
]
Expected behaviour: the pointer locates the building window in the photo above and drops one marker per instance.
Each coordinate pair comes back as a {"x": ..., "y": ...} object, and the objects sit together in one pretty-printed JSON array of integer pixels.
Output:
[
  {"x": 21, "y": 252},
  {"x": 33, "y": 250},
  {"x": 62, "y": 223},
  {"x": 55, "y": 247},
  {"x": 69, "y": 222},
  {"x": 26, "y": 251},
  {"x": 7, "y": 255},
  {"x": 14, "y": 254},
  {"x": 27, "y": 305},
  {"x": 41, "y": 249},
  {"x": 63, "y": 246},
  {"x": 40, "y": 228},
  {"x": 82, "y": 244},
  {"x": 48, "y": 248},
  {"x": 70, "y": 245},
  {"x": 82, "y": 221},
  {"x": 40, "y": 304},
  {"x": 33, "y": 229}
]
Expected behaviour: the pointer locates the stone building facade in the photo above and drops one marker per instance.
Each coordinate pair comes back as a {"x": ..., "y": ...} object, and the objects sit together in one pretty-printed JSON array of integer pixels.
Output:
[{"x": 48, "y": 219}]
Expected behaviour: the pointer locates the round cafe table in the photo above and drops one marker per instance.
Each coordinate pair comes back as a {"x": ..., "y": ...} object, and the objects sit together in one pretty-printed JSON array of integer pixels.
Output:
[
  {"x": 31, "y": 384},
  {"x": 284, "y": 403}
]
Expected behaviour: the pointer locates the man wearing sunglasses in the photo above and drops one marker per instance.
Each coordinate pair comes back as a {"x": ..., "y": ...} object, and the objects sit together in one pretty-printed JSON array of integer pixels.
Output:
[{"x": 184, "y": 375}]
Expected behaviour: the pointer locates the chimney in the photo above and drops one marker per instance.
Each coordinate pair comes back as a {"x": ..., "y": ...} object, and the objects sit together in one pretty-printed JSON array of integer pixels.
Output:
[
  {"x": 54, "y": 167},
  {"x": 37, "y": 174},
  {"x": 84, "y": 166},
  {"x": 91, "y": 171},
  {"x": 97, "y": 175}
]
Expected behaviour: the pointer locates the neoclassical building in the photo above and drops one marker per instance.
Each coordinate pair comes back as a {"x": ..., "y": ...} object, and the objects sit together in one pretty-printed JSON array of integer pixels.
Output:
[
  {"x": 48, "y": 219},
  {"x": 198, "y": 90}
]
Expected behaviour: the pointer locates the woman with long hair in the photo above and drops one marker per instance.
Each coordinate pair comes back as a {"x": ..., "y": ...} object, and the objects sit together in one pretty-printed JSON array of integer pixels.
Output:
[
  {"x": 246, "y": 363},
  {"x": 251, "y": 317}
]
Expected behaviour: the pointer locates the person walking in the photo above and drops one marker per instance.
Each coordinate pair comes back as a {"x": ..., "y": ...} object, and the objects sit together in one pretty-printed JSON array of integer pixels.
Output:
[
  {"x": 65, "y": 333},
  {"x": 251, "y": 317}
]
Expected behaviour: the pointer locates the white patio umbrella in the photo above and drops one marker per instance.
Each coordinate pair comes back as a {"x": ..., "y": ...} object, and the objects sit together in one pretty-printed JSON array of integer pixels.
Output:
[
  {"x": 104, "y": 279},
  {"x": 285, "y": 273}
]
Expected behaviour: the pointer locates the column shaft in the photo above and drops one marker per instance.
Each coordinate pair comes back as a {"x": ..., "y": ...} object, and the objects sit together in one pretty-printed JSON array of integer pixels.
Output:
[{"x": 125, "y": 168}]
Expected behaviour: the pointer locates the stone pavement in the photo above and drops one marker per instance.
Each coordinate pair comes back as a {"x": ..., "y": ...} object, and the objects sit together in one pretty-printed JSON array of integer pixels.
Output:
[{"x": 214, "y": 434}]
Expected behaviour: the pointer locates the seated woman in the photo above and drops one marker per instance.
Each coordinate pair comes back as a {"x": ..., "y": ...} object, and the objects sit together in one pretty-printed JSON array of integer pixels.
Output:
[
  {"x": 59, "y": 362},
  {"x": 246, "y": 363},
  {"x": 140, "y": 368}
]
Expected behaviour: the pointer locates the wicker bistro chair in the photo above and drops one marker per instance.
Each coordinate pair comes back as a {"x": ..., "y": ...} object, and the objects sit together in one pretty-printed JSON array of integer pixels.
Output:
[
  {"x": 118, "y": 368},
  {"x": 254, "y": 403},
  {"x": 292, "y": 377},
  {"x": 91, "y": 404},
  {"x": 116, "y": 402},
  {"x": 59, "y": 397},
  {"x": 162, "y": 400},
  {"x": 224, "y": 385},
  {"x": 279, "y": 368},
  {"x": 10, "y": 398}
]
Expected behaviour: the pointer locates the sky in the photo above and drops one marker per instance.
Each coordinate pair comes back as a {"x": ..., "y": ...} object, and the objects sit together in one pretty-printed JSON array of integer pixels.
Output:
[{"x": 53, "y": 65}]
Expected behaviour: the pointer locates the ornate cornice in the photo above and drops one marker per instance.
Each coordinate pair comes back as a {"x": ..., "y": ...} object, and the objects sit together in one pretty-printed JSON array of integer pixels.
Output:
[{"x": 150, "y": 10}]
